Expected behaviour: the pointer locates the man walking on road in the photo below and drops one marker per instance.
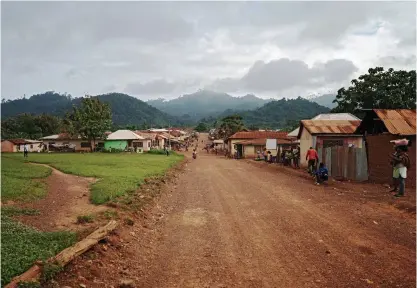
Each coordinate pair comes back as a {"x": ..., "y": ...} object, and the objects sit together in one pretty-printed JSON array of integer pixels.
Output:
[{"x": 312, "y": 157}]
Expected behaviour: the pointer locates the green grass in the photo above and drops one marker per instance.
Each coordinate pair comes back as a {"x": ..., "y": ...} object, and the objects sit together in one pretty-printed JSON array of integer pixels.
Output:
[
  {"x": 117, "y": 173},
  {"x": 21, "y": 246},
  {"x": 22, "y": 181}
]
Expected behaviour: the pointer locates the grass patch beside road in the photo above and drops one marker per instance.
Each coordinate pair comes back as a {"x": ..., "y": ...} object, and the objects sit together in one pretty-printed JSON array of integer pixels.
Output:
[
  {"x": 117, "y": 173},
  {"x": 21, "y": 246},
  {"x": 20, "y": 180}
]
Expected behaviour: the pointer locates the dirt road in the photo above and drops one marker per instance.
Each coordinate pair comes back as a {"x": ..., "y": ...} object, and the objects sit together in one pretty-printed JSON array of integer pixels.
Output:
[{"x": 231, "y": 224}]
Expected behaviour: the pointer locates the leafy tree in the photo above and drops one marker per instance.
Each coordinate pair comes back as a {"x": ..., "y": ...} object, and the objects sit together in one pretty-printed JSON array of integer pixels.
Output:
[
  {"x": 21, "y": 126},
  {"x": 201, "y": 127},
  {"x": 89, "y": 120},
  {"x": 378, "y": 89},
  {"x": 230, "y": 125},
  {"x": 48, "y": 124}
]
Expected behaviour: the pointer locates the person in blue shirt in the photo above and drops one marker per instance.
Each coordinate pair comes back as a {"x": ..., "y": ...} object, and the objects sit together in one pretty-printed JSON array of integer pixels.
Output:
[{"x": 322, "y": 174}]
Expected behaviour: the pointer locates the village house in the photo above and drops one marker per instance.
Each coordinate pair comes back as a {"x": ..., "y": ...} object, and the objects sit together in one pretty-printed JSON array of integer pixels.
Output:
[
  {"x": 126, "y": 139},
  {"x": 248, "y": 143},
  {"x": 17, "y": 145},
  {"x": 77, "y": 142},
  {"x": 379, "y": 127},
  {"x": 157, "y": 140},
  {"x": 327, "y": 133}
]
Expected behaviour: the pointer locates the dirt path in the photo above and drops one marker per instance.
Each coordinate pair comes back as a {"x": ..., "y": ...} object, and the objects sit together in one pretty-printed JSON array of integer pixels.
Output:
[
  {"x": 227, "y": 223},
  {"x": 67, "y": 198}
]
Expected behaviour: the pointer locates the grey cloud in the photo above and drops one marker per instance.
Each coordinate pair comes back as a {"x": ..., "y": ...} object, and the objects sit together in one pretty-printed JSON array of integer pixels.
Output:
[
  {"x": 81, "y": 46},
  {"x": 159, "y": 86},
  {"x": 284, "y": 74},
  {"x": 398, "y": 62}
]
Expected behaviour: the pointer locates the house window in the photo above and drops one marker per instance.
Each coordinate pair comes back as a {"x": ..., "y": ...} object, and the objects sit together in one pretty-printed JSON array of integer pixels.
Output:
[
  {"x": 85, "y": 145},
  {"x": 31, "y": 146},
  {"x": 332, "y": 143},
  {"x": 140, "y": 144},
  {"x": 149, "y": 144},
  {"x": 100, "y": 144}
]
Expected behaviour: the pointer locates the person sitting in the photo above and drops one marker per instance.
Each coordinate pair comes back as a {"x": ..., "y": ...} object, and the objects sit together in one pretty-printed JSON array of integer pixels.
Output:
[{"x": 322, "y": 174}]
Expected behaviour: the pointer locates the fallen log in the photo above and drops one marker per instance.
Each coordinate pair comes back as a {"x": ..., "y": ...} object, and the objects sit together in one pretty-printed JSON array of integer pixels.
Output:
[{"x": 66, "y": 255}]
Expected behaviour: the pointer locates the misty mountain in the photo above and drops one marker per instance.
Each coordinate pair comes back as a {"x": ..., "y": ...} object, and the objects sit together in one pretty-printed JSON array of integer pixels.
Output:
[
  {"x": 280, "y": 114},
  {"x": 126, "y": 110},
  {"x": 205, "y": 103},
  {"x": 325, "y": 100}
]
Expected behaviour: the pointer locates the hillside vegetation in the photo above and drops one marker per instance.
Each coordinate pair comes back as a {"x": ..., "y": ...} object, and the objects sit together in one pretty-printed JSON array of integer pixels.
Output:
[{"x": 126, "y": 109}]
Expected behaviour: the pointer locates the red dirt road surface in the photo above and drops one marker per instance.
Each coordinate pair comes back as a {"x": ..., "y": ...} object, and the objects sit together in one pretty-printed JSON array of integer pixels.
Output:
[{"x": 228, "y": 223}]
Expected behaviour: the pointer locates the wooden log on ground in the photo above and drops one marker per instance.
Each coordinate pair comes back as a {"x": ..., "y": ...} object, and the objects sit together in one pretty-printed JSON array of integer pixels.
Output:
[{"x": 66, "y": 255}]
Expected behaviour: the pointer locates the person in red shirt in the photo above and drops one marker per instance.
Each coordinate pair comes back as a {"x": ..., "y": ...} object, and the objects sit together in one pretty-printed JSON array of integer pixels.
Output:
[{"x": 312, "y": 158}]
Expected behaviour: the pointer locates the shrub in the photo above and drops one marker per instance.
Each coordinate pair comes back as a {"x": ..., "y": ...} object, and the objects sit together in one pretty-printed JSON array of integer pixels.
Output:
[{"x": 85, "y": 219}]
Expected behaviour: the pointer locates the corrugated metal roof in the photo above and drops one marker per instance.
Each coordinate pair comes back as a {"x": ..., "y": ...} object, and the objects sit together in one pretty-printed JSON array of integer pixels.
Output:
[
  {"x": 398, "y": 121},
  {"x": 294, "y": 133},
  {"x": 330, "y": 126},
  {"x": 124, "y": 135},
  {"x": 336, "y": 116},
  {"x": 259, "y": 135}
]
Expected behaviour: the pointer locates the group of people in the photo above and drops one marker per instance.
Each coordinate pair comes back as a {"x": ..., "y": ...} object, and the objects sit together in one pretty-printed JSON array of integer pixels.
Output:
[{"x": 291, "y": 157}]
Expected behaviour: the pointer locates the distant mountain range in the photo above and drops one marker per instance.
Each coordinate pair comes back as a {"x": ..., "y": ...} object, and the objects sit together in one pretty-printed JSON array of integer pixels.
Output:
[
  {"x": 189, "y": 109},
  {"x": 325, "y": 100},
  {"x": 205, "y": 103},
  {"x": 126, "y": 110}
]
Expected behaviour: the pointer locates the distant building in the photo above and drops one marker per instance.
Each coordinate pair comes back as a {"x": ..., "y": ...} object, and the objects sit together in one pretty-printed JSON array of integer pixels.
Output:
[{"x": 17, "y": 145}]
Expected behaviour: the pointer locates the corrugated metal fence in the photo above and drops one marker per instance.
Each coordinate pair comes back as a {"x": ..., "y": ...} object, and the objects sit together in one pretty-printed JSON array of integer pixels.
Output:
[{"x": 345, "y": 162}]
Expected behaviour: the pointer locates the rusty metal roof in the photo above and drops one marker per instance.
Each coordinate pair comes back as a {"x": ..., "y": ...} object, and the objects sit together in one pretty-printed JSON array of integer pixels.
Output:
[
  {"x": 259, "y": 135},
  {"x": 398, "y": 121},
  {"x": 329, "y": 126}
]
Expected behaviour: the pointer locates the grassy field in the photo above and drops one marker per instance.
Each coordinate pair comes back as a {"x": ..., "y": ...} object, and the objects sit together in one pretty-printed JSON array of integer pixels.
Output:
[
  {"x": 22, "y": 245},
  {"x": 20, "y": 180},
  {"x": 117, "y": 173}
]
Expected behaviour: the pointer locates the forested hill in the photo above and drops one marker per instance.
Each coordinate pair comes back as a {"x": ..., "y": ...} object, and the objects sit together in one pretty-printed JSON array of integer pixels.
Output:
[
  {"x": 206, "y": 103},
  {"x": 281, "y": 114},
  {"x": 126, "y": 110}
]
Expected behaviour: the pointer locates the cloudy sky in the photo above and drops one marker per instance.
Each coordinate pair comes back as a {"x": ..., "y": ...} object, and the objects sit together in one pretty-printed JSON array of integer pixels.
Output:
[{"x": 165, "y": 49}]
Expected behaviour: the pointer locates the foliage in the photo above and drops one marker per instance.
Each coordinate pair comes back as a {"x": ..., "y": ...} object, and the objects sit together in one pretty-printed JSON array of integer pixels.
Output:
[
  {"x": 378, "y": 89},
  {"x": 230, "y": 125},
  {"x": 49, "y": 271},
  {"x": 21, "y": 246},
  {"x": 118, "y": 173},
  {"x": 90, "y": 120},
  {"x": 201, "y": 127},
  {"x": 160, "y": 152},
  {"x": 126, "y": 110},
  {"x": 22, "y": 181},
  {"x": 29, "y": 284},
  {"x": 81, "y": 219},
  {"x": 30, "y": 127},
  {"x": 281, "y": 114}
]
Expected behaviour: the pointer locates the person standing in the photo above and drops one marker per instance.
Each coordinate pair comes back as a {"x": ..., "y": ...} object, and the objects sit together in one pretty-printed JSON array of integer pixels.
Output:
[
  {"x": 312, "y": 157},
  {"x": 402, "y": 163},
  {"x": 25, "y": 151},
  {"x": 296, "y": 157}
]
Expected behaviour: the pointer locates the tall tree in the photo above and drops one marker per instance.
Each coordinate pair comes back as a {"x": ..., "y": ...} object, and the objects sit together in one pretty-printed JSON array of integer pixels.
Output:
[
  {"x": 378, "y": 89},
  {"x": 201, "y": 127},
  {"x": 230, "y": 125},
  {"x": 89, "y": 120}
]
